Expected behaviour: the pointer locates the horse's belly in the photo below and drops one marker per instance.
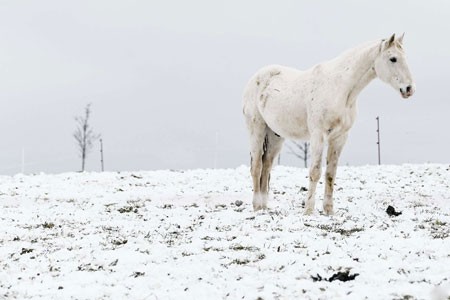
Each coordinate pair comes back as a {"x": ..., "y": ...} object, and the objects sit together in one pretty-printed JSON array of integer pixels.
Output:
[
  {"x": 286, "y": 118},
  {"x": 289, "y": 132}
]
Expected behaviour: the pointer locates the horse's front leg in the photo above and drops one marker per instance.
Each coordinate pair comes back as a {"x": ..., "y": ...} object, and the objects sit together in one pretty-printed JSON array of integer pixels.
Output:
[
  {"x": 334, "y": 151},
  {"x": 315, "y": 170}
]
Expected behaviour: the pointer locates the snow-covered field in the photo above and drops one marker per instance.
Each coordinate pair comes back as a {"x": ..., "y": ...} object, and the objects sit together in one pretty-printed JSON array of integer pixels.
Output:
[{"x": 186, "y": 235}]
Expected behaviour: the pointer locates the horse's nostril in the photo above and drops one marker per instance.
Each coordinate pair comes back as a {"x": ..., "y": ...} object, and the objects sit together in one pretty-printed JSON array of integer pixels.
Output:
[{"x": 408, "y": 89}]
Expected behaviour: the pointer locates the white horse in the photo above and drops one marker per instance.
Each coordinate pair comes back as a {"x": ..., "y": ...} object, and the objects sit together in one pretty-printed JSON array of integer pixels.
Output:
[{"x": 318, "y": 105}]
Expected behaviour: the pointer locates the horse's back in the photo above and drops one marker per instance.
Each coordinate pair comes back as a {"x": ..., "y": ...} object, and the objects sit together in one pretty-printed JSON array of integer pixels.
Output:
[
  {"x": 270, "y": 94},
  {"x": 266, "y": 74},
  {"x": 266, "y": 77}
]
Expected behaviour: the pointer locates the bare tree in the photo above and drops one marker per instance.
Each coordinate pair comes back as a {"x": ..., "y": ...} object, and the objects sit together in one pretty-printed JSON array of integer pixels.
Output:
[
  {"x": 84, "y": 135},
  {"x": 300, "y": 150}
]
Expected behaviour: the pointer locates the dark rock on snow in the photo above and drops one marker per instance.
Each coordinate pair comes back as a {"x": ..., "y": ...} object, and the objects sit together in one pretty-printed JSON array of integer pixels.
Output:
[{"x": 391, "y": 211}]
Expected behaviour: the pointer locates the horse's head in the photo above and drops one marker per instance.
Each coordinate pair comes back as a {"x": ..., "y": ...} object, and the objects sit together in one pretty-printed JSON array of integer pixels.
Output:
[{"x": 391, "y": 66}]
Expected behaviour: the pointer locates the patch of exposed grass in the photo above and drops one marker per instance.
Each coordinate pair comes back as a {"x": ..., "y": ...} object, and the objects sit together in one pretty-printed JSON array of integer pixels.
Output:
[
  {"x": 48, "y": 225},
  {"x": 207, "y": 249},
  {"x": 128, "y": 209},
  {"x": 439, "y": 230},
  {"x": 334, "y": 228},
  {"x": 137, "y": 274},
  {"x": 26, "y": 250},
  {"x": 405, "y": 297},
  {"x": 90, "y": 267},
  {"x": 119, "y": 242},
  {"x": 239, "y": 261},
  {"x": 239, "y": 247}
]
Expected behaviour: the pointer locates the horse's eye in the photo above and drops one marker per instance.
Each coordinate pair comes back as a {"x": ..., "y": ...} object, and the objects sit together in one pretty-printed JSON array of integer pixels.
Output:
[{"x": 393, "y": 59}]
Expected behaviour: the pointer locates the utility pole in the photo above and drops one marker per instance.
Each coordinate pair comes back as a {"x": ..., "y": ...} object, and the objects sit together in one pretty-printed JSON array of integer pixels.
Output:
[
  {"x": 101, "y": 154},
  {"x": 378, "y": 141}
]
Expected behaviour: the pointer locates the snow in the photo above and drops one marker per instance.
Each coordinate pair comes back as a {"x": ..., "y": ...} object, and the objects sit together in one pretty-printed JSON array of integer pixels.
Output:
[{"x": 180, "y": 234}]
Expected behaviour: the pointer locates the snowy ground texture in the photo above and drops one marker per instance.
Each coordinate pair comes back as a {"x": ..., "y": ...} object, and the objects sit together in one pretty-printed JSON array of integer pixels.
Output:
[{"x": 183, "y": 235}]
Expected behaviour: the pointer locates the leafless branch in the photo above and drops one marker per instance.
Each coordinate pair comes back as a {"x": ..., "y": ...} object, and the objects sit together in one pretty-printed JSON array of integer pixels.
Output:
[
  {"x": 84, "y": 135},
  {"x": 299, "y": 150}
]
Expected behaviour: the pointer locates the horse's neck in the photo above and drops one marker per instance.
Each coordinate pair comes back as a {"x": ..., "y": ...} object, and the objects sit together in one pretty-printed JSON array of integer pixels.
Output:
[{"x": 358, "y": 65}]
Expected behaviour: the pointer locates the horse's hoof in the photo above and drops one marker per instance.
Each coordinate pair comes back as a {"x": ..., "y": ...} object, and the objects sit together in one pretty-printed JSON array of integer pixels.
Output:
[
  {"x": 308, "y": 211},
  {"x": 328, "y": 210},
  {"x": 259, "y": 207},
  {"x": 259, "y": 202}
]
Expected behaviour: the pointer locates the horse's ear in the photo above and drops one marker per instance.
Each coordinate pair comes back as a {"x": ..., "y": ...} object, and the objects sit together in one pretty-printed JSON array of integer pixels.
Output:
[
  {"x": 400, "y": 39},
  {"x": 387, "y": 43},
  {"x": 391, "y": 41}
]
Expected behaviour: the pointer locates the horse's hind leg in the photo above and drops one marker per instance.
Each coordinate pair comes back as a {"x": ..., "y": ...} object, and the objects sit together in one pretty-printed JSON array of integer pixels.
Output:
[
  {"x": 257, "y": 130},
  {"x": 272, "y": 146}
]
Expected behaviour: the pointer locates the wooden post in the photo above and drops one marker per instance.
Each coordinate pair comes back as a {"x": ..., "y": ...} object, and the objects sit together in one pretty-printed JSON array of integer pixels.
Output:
[
  {"x": 378, "y": 140},
  {"x": 101, "y": 154}
]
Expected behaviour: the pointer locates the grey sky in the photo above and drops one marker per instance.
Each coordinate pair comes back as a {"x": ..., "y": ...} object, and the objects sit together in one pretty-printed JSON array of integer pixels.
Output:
[{"x": 165, "y": 78}]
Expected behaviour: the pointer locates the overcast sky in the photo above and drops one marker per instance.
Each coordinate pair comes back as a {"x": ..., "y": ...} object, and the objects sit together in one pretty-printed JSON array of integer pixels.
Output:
[{"x": 165, "y": 78}]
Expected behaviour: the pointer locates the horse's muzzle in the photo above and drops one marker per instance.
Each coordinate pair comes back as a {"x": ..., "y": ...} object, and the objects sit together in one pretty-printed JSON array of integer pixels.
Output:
[{"x": 407, "y": 92}]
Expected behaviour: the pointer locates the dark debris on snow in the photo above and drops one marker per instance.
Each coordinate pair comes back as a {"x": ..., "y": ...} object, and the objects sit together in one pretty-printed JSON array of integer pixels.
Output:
[
  {"x": 342, "y": 276},
  {"x": 391, "y": 211}
]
